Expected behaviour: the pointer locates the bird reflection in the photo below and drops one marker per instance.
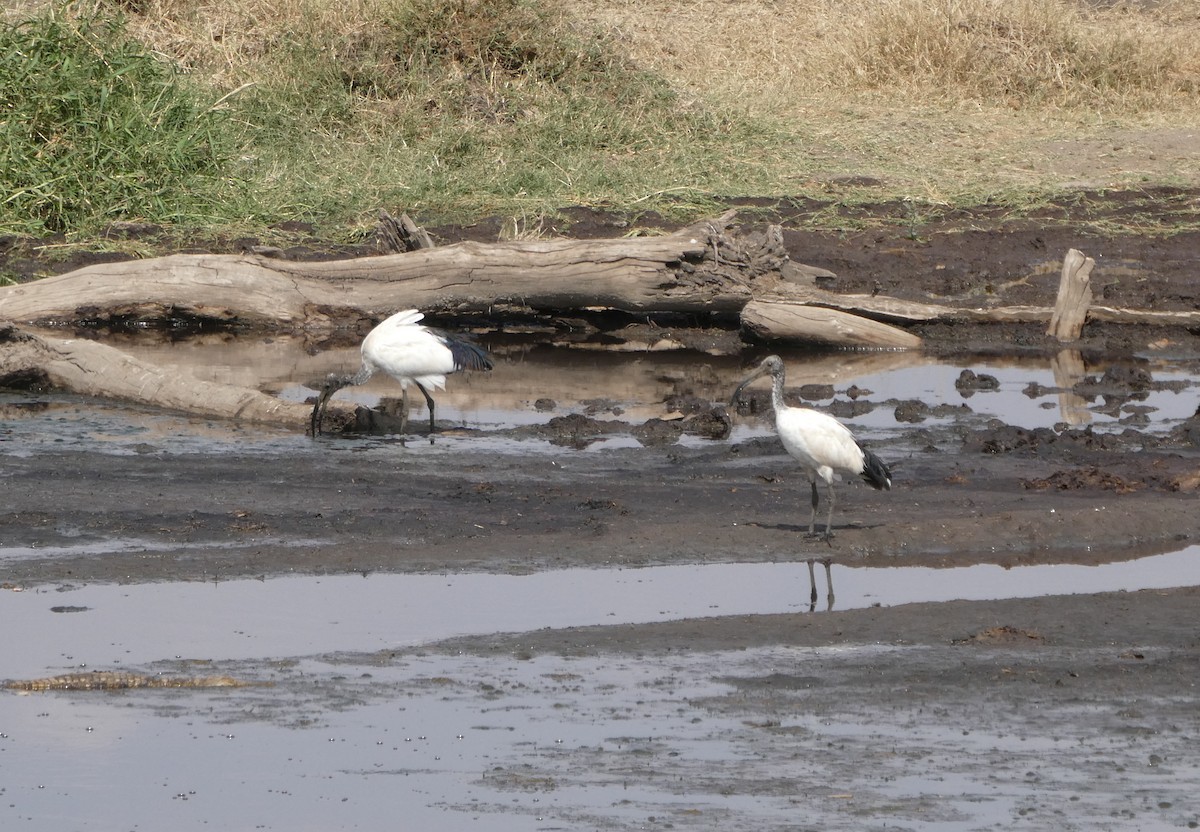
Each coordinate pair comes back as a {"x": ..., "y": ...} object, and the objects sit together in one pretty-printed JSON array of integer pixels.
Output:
[{"x": 812, "y": 579}]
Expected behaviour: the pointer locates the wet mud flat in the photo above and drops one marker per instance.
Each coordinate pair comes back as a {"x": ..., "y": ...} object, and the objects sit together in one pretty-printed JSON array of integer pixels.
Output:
[
  {"x": 1049, "y": 711},
  {"x": 1078, "y": 715},
  {"x": 138, "y": 543},
  {"x": 554, "y": 496}
]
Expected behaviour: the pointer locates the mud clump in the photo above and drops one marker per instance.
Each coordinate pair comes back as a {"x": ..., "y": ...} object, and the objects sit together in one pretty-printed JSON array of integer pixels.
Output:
[
  {"x": 713, "y": 423},
  {"x": 849, "y": 410},
  {"x": 575, "y": 430},
  {"x": 1003, "y": 634},
  {"x": 654, "y": 432},
  {"x": 1119, "y": 380},
  {"x": 1003, "y": 439},
  {"x": 969, "y": 383},
  {"x": 1188, "y": 432},
  {"x": 710, "y": 423},
  {"x": 816, "y": 392},
  {"x": 913, "y": 411},
  {"x": 1084, "y": 478}
]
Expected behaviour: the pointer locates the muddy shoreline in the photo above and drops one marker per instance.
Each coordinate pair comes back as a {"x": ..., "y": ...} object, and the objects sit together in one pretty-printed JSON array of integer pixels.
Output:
[
  {"x": 369, "y": 509},
  {"x": 1054, "y": 712}
]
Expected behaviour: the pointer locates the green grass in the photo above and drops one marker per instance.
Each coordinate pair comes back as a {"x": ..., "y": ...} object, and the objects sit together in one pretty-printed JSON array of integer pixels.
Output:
[
  {"x": 96, "y": 129},
  {"x": 450, "y": 109},
  {"x": 459, "y": 109},
  {"x": 227, "y": 118}
]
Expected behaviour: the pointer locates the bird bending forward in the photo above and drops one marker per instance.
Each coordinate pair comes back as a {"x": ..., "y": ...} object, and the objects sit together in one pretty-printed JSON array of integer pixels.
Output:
[
  {"x": 820, "y": 443},
  {"x": 409, "y": 353}
]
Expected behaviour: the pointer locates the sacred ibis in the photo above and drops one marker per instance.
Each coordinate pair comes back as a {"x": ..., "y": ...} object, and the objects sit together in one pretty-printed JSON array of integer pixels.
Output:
[
  {"x": 409, "y": 353},
  {"x": 820, "y": 443}
]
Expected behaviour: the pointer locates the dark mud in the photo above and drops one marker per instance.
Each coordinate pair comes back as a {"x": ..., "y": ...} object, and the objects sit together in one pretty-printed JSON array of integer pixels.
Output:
[
  {"x": 1064, "y": 712},
  {"x": 1002, "y": 495}
]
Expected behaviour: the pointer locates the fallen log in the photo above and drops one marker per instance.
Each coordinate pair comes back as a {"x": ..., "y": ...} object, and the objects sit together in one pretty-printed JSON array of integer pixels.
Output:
[
  {"x": 793, "y": 321},
  {"x": 94, "y": 369},
  {"x": 700, "y": 269},
  {"x": 896, "y": 310},
  {"x": 704, "y": 269}
]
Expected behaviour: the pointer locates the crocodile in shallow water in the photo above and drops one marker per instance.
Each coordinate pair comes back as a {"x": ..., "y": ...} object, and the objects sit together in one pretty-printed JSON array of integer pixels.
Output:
[{"x": 123, "y": 680}]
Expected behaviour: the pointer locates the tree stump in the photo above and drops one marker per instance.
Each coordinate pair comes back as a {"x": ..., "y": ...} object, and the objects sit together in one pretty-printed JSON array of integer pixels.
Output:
[
  {"x": 1074, "y": 297},
  {"x": 395, "y": 236}
]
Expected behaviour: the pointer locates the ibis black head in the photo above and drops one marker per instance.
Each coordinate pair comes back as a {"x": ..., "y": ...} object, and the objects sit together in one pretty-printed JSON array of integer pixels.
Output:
[
  {"x": 333, "y": 383},
  {"x": 771, "y": 365}
]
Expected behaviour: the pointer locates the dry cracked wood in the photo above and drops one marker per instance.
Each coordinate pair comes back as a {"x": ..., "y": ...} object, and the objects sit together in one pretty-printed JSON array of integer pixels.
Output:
[{"x": 94, "y": 369}]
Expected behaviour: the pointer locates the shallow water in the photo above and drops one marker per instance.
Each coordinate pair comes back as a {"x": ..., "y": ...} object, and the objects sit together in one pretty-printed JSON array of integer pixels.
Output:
[
  {"x": 501, "y": 743},
  {"x": 622, "y": 387},
  {"x": 106, "y": 625}
]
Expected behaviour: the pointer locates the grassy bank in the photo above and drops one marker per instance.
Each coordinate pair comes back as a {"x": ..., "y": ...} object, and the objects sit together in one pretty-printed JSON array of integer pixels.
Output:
[{"x": 237, "y": 115}]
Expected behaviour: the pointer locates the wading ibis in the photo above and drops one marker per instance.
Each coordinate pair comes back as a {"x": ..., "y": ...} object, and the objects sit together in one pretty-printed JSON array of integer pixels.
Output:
[
  {"x": 822, "y": 445},
  {"x": 409, "y": 353}
]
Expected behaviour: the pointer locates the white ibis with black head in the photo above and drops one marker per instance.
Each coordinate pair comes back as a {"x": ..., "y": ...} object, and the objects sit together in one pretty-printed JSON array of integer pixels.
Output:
[
  {"x": 409, "y": 353},
  {"x": 822, "y": 445}
]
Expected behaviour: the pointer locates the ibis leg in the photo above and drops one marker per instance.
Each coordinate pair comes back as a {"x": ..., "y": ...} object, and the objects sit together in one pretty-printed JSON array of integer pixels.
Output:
[
  {"x": 829, "y": 517},
  {"x": 812, "y": 581},
  {"x": 812, "y": 519},
  {"x": 317, "y": 414},
  {"x": 828, "y": 583},
  {"x": 403, "y": 409}
]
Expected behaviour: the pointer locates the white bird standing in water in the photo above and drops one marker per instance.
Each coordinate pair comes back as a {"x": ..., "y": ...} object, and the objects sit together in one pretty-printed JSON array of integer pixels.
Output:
[
  {"x": 822, "y": 445},
  {"x": 409, "y": 353}
]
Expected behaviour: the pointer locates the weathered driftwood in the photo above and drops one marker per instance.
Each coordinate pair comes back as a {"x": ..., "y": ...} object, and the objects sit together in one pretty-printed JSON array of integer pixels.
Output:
[
  {"x": 123, "y": 680},
  {"x": 895, "y": 310},
  {"x": 705, "y": 268},
  {"x": 699, "y": 269},
  {"x": 775, "y": 319},
  {"x": 702, "y": 268},
  {"x": 94, "y": 369},
  {"x": 396, "y": 235},
  {"x": 1074, "y": 297}
]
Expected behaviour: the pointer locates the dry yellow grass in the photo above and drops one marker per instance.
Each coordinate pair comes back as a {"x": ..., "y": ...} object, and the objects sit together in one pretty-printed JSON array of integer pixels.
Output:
[
  {"x": 937, "y": 97},
  {"x": 1013, "y": 52},
  {"x": 226, "y": 40}
]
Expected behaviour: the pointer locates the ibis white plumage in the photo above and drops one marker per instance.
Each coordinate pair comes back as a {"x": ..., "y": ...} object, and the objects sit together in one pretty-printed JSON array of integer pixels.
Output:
[
  {"x": 820, "y": 443},
  {"x": 410, "y": 353},
  {"x": 823, "y": 446}
]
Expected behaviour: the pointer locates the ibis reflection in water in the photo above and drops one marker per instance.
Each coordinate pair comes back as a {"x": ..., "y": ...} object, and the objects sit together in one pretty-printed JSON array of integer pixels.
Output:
[
  {"x": 410, "y": 353},
  {"x": 823, "y": 446}
]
